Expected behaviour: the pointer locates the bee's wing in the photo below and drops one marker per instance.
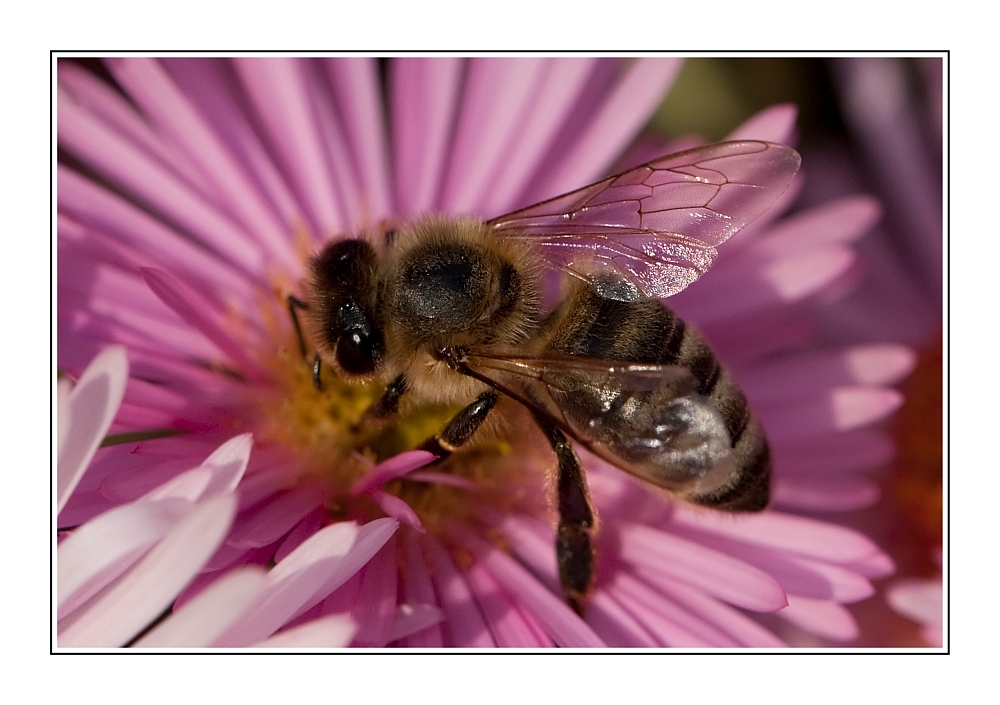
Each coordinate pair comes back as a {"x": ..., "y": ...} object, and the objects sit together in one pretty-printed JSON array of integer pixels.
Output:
[
  {"x": 646, "y": 419},
  {"x": 658, "y": 224}
]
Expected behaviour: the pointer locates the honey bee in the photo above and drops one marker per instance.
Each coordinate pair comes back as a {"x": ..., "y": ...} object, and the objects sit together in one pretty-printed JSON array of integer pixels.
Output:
[{"x": 454, "y": 310}]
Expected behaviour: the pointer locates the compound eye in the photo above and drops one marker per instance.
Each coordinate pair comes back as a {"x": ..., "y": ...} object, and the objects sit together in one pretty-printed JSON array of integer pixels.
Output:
[
  {"x": 359, "y": 353},
  {"x": 360, "y": 345}
]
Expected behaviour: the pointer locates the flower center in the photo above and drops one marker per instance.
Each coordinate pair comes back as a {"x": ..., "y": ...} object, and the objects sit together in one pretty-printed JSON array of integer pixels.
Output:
[{"x": 333, "y": 439}]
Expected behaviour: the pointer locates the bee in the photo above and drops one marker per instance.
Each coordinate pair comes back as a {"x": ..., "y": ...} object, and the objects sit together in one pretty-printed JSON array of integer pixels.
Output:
[{"x": 456, "y": 310}]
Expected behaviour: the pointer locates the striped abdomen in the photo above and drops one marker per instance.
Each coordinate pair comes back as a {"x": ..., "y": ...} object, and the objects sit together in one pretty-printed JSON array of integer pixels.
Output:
[{"x": 631, "y": 425}]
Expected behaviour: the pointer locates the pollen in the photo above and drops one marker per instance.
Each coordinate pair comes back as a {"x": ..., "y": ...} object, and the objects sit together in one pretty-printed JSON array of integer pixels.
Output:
[{"x": 335, "y": 440}]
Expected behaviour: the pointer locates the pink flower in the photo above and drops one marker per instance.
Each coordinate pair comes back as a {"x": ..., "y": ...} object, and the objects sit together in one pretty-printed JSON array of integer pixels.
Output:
[{"x": 235, "y": 509}]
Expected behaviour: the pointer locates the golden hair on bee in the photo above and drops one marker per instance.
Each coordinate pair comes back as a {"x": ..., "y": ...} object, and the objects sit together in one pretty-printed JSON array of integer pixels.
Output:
[{"x": 451, "y": 310}]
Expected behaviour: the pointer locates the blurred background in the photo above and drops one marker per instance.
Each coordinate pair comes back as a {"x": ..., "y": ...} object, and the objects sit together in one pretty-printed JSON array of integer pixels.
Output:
[{"x": 869, "y": 125}]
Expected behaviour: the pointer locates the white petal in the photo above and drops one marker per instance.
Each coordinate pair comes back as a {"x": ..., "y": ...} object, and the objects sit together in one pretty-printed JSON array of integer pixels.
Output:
[
  {"x": 219, "y": 474},
  {"x": 335, "y": 631},
  {"x": 93, "y": 404},
  {"x": 149, "y": 588},
  {"x": 210, "y": 613},
  {"x": 920, "y": 600},
  {"x": 104, "y": 540},
  {"x": 307, "y": 575},
  {"x": 62, "y": 411}
]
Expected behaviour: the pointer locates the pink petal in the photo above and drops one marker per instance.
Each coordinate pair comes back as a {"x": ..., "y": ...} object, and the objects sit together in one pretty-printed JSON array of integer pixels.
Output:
[
  {"x": 87, "y": 554},
  {"x": 919, "y": 600},
  {"x": 307, "y": 575},
  {"x": 132, "y": 483},
  {"x": 820, "y": 494},
  {"x": 932, "y": 634},
  {"x": 877, "y": 110},
  {"x": 667, "y": 622},
  {"x": 123, "y": 320},
  {"x": 219, "y": 474},
  {"x": 783, "y": 532},
  {"x": 200, "y": 314},
  {"x": 562, "y": 82},
  {"x": 92, "y": 406},
  {"x": 506, "y": 623},
  {"x": 560, "y": 622},
  {"x": 278, "y": 89},
  {"x": 151, "y": 586},
  {"x": 344, "y": 598},
  {"x": 878, "y": 565},
  {"x": 213, "y": 85},
  {"x": 398, "y": 509},
  {"x": 805, "y": 577},
  {"x": 811, "y": 372},
  {"x": 266, "y": 523},
  {"x": 820, "y": 617},
  {"x": 266, "y": 481},
  {"x": 397, "y": 466},
  {"x": 533, "y": 543},
  {"x": 422, "y": 97},
  {"x": 840, "y": 409},
  {"x": 413, "y": 619},
  {"x": 84, "y": 506},
  {"x": 333, "y": 632},
  {"x": 375, "y": 607},
  {"x": 619, "y": 118},
  {"x": 111, "y": 107},
  {"x": 63, "y": 388},
  {"x": 335, "y": 148},
  {"x": 497, "y": 93},
  {"x": 417, "y": 588},
  {"x": 773, "y": 124},
  {"x": 151, "y": 87},
  {"x": 613, "y": 623},
  {"x": 753, "y": 286},
  {"x": 834, "y": 453},
  {"x": 307, "y": 526},
  {"x": 463, "y": 625},
  {"x": 727, "y": 619},
  {"x": 206, "y": 616},
  {"x": 717, "y": 574},
  {"x": 137, "y": 173},
  {"x": 355, "y": 85},
  {"x": 840, "y": 221},
  {"x": 98, "y": 208},
  {"x": 795, "y": 278}
]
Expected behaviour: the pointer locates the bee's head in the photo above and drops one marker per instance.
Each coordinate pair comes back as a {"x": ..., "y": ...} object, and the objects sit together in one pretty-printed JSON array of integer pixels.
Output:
[{"x": 343, "y": 307}]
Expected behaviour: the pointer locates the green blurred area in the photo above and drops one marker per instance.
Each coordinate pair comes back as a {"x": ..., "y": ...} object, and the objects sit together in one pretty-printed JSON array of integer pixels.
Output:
[{"x": 712, "y": 96}]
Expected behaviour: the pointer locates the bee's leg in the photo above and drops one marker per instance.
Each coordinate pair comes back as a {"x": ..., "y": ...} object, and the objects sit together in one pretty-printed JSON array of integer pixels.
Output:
[
  {"x": 460, "y": 429},
  {"x": 388, "y": 403},
  {"x": 293, "y": 304},
  {"x": 317, "y": 368},
  {"x": 386, "y": 406},
  {"x": 574, "y": 550}
]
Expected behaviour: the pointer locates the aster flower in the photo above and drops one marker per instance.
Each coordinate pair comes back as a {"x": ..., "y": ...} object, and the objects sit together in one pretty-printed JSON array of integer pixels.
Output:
[
  {"x": 892, "y": 108},
  {"x": 234, "y": 505}
]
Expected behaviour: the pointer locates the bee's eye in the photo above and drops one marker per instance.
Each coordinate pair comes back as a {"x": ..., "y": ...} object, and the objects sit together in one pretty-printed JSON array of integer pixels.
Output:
[
  {"x": 358, "y": 353},
  {"x": 345, "y": 261},
  {"x": 360, "y": 345}
]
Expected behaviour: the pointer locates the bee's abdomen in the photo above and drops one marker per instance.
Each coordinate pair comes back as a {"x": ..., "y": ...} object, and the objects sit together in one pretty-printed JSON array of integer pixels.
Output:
[
  {"x": 715, "y": 383},
  {"x": 649, "y": 332}
]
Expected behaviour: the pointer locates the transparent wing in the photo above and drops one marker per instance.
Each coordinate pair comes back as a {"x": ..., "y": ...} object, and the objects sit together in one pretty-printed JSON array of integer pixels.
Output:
[
  {"x": 646, "y": 419},
  {"x": 656, "y": 226}
]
